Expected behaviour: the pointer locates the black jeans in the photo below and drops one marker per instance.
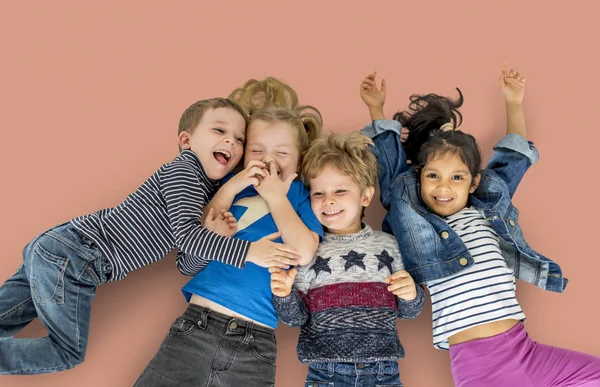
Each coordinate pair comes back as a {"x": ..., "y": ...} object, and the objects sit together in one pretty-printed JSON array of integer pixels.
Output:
[{"x": 204, "y": 348}]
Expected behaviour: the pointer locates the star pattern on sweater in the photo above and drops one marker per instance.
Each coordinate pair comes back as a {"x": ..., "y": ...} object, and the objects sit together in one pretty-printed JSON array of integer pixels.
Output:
[
  {"x": 384, "y": 261},
  {"x": 321, "y": 264},
  {"x": 353, "y": 259}
]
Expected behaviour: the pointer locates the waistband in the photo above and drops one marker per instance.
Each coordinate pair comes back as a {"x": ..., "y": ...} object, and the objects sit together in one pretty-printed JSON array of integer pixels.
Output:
[{"x": 203, "y": 316}]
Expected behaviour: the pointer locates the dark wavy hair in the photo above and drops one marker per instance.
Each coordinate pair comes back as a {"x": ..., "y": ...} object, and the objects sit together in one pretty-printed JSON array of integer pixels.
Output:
[{"x": 425, "y": 115}]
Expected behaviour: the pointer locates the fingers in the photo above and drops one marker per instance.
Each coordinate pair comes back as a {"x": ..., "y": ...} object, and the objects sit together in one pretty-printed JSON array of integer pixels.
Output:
[
  {"x": 255, "y": 171},
  {"x": 399, "y": 284},
  {"x": 383, "y": 88},
  {"x": 256, "y": 163},
  {"x": 273, "y": 168},
  {"x": 283, "y": 276}
]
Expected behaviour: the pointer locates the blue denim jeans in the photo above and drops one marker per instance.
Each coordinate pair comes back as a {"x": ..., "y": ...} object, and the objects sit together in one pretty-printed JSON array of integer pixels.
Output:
[
  {"x": 377, "y": 374},
  {"x": 56, "y": 283},
  {"x": 209, "y": 349}
]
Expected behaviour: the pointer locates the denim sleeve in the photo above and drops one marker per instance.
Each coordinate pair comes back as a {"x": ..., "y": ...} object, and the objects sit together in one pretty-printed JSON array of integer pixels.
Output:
[
  {"x": 390, "y": 154},
  {"x": 291, "y": 310},
  {"x": 411, "y": 309},
  {"x": 512, "y": 157}
]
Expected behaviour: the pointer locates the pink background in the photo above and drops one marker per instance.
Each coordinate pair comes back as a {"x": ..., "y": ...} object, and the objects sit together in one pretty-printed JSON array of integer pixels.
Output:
[{"x": 90, "y": 98}]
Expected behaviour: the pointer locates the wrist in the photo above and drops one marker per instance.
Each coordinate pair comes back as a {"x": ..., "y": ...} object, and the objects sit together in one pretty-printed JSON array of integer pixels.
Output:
[
  {"x": 376, "y": 112},
  {"x": 510, "y": 103}
]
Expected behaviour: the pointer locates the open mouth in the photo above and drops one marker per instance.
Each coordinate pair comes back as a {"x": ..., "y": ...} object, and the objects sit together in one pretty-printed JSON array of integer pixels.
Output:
[{"x": 222, "y": 156}]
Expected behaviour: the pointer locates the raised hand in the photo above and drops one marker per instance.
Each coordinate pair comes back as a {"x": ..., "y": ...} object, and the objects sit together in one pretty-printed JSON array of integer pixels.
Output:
[
  {"x": 512, "y": 84},
  {"x": 370, "y": 94}
]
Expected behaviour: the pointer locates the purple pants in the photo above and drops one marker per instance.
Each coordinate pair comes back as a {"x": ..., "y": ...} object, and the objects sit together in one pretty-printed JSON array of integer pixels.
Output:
[{"x": 512, "y": 359}]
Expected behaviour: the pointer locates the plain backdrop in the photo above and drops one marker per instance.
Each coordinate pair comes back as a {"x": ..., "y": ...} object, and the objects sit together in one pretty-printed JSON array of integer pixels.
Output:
[{"x": 91, "y": 94}]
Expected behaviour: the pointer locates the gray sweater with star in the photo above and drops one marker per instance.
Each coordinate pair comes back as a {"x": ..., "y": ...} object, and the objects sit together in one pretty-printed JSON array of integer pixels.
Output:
[{"x": 342, "y": 304}]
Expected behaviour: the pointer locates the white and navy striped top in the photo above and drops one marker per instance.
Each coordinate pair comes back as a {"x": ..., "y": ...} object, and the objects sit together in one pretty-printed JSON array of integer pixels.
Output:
[
  {"x": 163, "y": 214},
  {"x": 480, "y": 294}
]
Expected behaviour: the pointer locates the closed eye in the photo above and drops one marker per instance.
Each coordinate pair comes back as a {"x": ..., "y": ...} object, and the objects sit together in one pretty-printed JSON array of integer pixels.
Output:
[
  {"x": 340, "y": 191},
  {"x": 219, "y": 130},
  {"x": 317, "y": 194},
  {"x": 240, "y": 140}
]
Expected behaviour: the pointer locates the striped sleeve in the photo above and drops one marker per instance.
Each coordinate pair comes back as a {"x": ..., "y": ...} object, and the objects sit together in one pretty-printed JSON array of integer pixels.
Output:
[{"x": 185, "y": 195}]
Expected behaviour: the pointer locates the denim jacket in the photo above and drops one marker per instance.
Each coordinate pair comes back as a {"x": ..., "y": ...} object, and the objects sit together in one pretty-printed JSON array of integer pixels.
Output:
[{"x": 430, "y": 248}]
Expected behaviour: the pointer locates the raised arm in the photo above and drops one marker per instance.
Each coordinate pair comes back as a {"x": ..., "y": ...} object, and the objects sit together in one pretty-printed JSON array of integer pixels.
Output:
[
  {"x": 386, "y": 134},
  {"x": 513, "y": 155},
  {"x": 512, "y": 84}
]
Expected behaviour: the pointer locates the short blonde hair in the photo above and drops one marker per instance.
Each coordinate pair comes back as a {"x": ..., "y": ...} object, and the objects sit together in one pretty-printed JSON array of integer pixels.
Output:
[
  {"x": 307, "y": 123},
  {"x": 349, "y": 153}
]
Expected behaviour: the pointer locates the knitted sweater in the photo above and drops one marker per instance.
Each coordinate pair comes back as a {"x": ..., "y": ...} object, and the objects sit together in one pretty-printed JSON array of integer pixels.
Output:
[{"x": 341, "y": 303}]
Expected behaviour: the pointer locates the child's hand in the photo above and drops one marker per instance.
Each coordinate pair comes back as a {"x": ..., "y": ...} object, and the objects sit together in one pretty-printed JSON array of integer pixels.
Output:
[
  {"x": 370, "y": 94},
  {"x": 267, "y": 253},
  {"x": 282, "y": 281},
  {"x": 251, "y": 175},
  {"x": 512, "y": 85},
  {"x": 402, "y": 285},
  {"x": 271, "y": 187},
  {"x": 223, "y": 224}
]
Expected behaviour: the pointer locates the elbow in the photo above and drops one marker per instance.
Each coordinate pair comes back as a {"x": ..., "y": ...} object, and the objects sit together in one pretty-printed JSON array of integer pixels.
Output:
[{"x": 308, "y": 250}]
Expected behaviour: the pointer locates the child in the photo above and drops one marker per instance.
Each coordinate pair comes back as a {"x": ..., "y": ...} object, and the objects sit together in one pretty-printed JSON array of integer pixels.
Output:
[
  {"x": 460, "y": 236},
  {"x": 226, "y": 336},
  {"x": 62, "y": 266},
  {"x": 347, "y": 299}
]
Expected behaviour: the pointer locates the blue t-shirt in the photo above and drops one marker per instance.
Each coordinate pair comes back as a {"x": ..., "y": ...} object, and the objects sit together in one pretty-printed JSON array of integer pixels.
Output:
[{"x": 247, "y": 291}]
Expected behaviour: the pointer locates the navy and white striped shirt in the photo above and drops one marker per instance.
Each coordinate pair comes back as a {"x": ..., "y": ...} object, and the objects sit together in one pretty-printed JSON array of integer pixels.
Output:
[
  {"x": 480, "y": 294},
  {"x": 163, "y": 214}
]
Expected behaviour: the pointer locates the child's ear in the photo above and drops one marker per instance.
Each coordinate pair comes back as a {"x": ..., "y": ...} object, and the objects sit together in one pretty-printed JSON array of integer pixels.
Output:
[
  {"x": 184, "y": 140},
  {"x": 475, "y": 183},
  {"x": 367, "y": 196}
]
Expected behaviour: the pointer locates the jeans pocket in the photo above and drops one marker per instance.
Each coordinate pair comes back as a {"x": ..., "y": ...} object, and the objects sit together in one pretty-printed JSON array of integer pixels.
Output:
[
  {"x": 264, "y": 349},
  {"x": 47, "y": 276},
  {"x": 182, "y": 326}
]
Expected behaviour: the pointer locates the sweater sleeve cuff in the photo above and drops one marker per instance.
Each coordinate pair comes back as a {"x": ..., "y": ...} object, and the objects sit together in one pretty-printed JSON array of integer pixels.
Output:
[
  {"x": 291, "y": 309},
  {"x": 412, "y": 308}
]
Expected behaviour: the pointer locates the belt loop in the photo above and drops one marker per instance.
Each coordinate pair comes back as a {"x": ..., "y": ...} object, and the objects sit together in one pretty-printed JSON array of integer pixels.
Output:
[
  {"x": 330, "y": 369},
  {"x": 248, "y": 335},
  {"x": 380, "y": 372},
  {"x": 203, "y": 318}
]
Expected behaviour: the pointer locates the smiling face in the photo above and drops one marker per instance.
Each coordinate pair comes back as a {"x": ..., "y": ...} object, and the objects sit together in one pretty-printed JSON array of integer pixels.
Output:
[
  {"x": 337, "y": 201},
  {"x": 218, "y": 141},
  {"x": 273, "y": 142},
  {"x": 446, "y": 184}
]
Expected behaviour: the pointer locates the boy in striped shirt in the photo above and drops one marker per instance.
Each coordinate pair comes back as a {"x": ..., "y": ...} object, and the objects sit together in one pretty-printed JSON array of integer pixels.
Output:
[{"x": 62, "y": 266}]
